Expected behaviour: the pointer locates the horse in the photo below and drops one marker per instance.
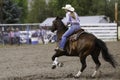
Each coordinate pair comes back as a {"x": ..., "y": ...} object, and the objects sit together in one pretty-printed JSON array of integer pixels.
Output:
[{"x": 85, "y": 44}]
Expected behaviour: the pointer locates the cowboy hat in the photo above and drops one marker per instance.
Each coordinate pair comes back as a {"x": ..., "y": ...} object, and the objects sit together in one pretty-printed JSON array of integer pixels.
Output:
[{"x": 68, "y": 7}]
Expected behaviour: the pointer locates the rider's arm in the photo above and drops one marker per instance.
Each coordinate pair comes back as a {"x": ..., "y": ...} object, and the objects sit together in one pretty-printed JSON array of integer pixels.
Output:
[{"x": 68, "y": 19}]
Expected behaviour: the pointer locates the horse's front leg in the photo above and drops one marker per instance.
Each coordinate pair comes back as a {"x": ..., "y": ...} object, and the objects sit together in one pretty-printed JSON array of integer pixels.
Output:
[
  {"x": 55, "y": 60},
  {"x": 84, "y": 65}
]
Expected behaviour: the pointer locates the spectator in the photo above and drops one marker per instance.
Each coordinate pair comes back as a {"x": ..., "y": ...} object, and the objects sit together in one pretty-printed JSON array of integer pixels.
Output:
[
  {"x": 11, "y": 36},
  {"x": 42, "y": 34},
  {"x": 17, "y": 36}
]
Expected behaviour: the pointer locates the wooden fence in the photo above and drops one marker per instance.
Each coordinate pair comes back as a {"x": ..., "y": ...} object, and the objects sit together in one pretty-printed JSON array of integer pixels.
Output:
[{"x": 104, "y": 31}]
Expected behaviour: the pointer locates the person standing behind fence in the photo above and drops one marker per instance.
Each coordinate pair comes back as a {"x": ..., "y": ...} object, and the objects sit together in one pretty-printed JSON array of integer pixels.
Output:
[
  {"x": 42, "y": 34},
  {"x": 11, "y": 36},
  {"x": 17, "y": 36}
]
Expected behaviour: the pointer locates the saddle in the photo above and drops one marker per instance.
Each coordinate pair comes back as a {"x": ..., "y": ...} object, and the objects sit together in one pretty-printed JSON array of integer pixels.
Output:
[{"x": 76, "y": 34}]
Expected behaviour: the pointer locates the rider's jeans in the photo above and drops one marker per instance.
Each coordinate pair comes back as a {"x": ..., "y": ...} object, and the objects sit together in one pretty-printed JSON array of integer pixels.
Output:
[{"x": 71, "y": 29}]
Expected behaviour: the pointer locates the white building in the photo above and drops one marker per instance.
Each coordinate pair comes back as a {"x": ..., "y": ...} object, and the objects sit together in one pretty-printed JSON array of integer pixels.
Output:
[{"x": 83, "y": 20}]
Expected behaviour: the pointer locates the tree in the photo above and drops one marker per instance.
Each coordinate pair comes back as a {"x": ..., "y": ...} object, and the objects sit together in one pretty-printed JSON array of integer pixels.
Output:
[
  {"x": 88, "y": 7},
  {"x": 40, "y": 10},
  {"x": 10, "y": 12},
  {"x": 37, "y": 12},
  {"x": 23, "y": 5}
]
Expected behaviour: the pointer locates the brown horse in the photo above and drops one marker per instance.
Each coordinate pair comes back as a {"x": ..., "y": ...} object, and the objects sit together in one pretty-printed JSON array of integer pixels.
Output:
[{"x": 85, "y": 44}]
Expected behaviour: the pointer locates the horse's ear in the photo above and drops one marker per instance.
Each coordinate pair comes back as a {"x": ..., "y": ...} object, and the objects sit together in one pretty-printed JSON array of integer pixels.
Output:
[{"x": 59, "y": 18}]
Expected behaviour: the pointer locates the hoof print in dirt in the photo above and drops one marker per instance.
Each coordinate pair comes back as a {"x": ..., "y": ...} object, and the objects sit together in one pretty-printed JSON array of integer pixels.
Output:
[{"x": 70, "y": 75}]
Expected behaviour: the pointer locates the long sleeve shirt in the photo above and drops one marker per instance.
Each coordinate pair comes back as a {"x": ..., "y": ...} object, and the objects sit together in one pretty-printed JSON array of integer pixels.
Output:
[
  {"x": 11, "y": 34},
  {"x": 70, "y": 19},
  {"x": 17, "y": 34}
]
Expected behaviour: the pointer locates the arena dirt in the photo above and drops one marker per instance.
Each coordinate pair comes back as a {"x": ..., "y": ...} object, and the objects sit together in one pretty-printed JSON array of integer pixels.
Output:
[{"x": 33, "y": 62}]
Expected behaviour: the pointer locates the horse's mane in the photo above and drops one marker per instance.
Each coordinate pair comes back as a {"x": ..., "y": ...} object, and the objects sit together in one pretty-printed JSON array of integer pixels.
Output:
[{"x": 61, "y": 24}]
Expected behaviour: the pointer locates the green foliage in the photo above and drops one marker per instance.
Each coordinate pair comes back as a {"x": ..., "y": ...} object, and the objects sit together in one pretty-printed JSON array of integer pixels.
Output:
[
  {"x": 13, "y": 11},
  {"x": 40, "y": 10},
  {"x": 23, "y": 4},
  {"x": 88, "y": 7},
  {"x": 37, "y": 12},
  {"x": 10, "y": 12},
  {"x": 82, "y": 7}
]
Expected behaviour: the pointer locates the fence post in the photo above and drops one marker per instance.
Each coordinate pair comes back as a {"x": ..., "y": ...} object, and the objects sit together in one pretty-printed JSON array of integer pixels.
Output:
[
  {"x": 2, "y": 34},
  {"x": 27, "y": 34},
  {"x": 118, "y": 33}
]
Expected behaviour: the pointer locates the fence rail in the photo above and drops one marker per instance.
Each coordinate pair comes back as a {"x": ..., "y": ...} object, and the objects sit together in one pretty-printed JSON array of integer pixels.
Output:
[
  {"x": 106, "y": 31},
  {"x": 28, "y": 24}
]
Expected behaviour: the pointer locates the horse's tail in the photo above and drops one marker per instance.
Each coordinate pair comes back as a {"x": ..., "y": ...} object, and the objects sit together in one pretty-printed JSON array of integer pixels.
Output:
[{"x": 105, "y": 53}]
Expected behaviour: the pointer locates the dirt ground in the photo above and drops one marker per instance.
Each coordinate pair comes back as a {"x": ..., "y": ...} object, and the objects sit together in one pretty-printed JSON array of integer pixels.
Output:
[{"x": 33, "y": 62}]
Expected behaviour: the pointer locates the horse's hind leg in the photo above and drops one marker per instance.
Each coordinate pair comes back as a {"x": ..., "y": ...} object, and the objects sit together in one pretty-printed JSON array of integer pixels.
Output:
[{"x": 97, "y": 62}]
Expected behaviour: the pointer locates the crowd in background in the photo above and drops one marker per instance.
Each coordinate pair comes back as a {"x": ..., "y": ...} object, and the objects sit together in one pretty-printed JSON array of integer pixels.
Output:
[{"x": 13, "y": 36}]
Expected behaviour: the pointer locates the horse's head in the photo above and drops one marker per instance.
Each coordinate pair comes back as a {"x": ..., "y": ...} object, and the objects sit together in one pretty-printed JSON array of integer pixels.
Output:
[{"x": 58, "y": 24}]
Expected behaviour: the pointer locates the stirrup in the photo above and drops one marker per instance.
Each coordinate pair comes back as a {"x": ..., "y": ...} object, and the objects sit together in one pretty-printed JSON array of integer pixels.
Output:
[{"x": 56, "y": 49}]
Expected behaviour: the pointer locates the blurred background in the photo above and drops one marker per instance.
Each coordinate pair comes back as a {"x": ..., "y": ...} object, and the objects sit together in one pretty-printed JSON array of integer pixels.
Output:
[
  {"x": 31, "y": 15},
  {"x": 36, "y": 11}
]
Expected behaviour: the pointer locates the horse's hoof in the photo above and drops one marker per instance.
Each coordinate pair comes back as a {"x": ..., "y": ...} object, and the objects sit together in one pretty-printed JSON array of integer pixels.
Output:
[
  {"x": 60, "y": 64},
  {"x": 92, "y": 76},
  {"x": 54, "y": 66},
  {"x": 76, "y": 77}
]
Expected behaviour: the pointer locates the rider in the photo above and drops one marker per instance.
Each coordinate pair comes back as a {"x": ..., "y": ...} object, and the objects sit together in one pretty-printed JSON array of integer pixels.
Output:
[{"x": 72, "y": 21}]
